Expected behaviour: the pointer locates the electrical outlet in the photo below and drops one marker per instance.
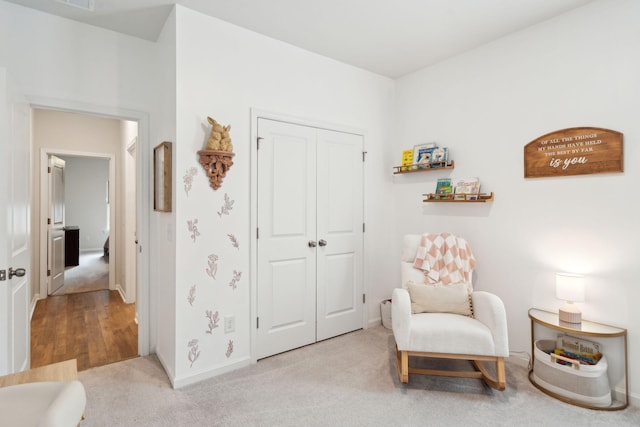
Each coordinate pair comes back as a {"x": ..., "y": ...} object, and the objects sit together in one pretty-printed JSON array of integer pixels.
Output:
[{"x": 229, "y": 324}]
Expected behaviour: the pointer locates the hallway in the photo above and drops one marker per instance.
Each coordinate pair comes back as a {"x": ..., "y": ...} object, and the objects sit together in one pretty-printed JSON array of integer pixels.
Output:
[{"x": 96, "y": 328}]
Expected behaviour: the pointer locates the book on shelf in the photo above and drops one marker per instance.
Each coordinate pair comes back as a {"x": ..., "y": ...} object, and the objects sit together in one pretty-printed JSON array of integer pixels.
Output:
[
  {"x": 444, "y": 190},
  {"x": 407, "y": 160},
  {"x": 466, "y": 188},
  {"x": 439, "y": 157},
  {"x": 422, "y": 154}
]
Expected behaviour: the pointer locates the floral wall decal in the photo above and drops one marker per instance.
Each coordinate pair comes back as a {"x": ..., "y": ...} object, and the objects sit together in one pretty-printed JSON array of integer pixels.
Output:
[
  {"x": 234, "y": 241},
  {"x": 193, "y": 228},
  {"x": 192, "y": 295},
  {"x": 194, "y": 353},
  {"x": 236, "y": 279},
  {"x": 229, "y": 349},
  {"x": 213, "y": 265},
  {"x": 188, "y": 179},
  {"x": 214, "y": 318},
  {"x": 228, "y": 205}
]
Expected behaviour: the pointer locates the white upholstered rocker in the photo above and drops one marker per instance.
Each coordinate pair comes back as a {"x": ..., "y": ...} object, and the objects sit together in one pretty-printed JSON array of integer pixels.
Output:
[{"x": 481, "y": 338}]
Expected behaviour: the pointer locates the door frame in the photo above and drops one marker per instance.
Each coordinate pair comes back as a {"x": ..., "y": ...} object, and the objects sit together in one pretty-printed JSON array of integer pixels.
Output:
[
  {"x": 44, "y": 208},
  {"x": 253, "y": 211},
  {"x": 147, "y": 325}
]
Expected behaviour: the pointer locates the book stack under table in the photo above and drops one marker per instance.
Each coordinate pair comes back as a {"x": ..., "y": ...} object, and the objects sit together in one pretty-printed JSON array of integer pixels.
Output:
[{"x": 570, "y": 365}]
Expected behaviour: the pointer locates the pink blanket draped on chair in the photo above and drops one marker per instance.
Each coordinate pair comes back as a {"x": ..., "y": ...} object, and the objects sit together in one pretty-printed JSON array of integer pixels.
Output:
[{"x": 445, "y": 259}]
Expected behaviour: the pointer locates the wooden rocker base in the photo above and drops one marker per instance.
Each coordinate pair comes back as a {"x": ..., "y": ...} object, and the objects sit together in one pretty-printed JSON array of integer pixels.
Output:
[{"x": 498, "y": 382}]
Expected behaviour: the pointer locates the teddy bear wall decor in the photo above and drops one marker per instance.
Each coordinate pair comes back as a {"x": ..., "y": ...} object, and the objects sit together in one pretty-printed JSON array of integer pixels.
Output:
[{"x": 216, "y": 158}]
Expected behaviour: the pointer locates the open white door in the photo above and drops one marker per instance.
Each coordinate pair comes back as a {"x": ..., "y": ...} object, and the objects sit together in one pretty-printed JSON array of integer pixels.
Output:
[
  {"x": 55, "y": 227},
  {"x": 15, "y": 237}
]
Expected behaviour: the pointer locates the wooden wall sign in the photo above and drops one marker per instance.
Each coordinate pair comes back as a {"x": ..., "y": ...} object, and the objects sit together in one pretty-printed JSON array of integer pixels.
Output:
[{"x": 574, "y": 151}]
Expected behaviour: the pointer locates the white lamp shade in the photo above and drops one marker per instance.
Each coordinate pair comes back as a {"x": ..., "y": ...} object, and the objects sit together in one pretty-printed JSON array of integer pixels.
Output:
[{"x": 570, "y": 287}]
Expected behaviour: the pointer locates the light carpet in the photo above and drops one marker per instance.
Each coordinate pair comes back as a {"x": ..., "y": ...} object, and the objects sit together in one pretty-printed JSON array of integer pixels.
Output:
[
  {"x": 92, "y": 274},
  {"x": 349, "y": 380}
]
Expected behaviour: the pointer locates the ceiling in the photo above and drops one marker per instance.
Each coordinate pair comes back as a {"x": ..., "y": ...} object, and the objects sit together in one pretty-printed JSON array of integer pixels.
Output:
[{"x": 388, "y": 37}]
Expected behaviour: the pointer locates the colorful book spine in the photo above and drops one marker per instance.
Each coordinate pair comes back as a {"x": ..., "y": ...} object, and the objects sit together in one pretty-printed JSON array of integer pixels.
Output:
[{"x": 407, "y": 160}]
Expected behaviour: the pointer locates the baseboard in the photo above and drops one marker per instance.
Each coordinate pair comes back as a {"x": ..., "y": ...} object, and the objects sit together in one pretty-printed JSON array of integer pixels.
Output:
[
  {"x": 210, "y": 373},
  {"x": 167, "y": 371},
  {"x": 520, "y": 358},
  {"x": 32, "y": 306},
  {"x": 376, "y": 321},
  {"x": 122, "y": 293},
  {"x": 618, "y": 394}
]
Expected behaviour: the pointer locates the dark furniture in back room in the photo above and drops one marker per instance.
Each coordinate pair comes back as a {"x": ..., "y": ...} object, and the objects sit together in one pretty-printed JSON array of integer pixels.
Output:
[{"x": 71, "y": 246}]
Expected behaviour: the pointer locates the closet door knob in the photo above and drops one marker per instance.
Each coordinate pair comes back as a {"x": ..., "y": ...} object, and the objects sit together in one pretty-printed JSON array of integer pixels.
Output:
[
  {"x": 312, "y": 243},
  {"x": 322, "y": 242}
]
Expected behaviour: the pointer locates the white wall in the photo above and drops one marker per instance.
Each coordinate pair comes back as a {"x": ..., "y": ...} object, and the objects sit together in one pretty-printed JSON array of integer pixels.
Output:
[
  {"x": 85, "y": 185},
  {"x": 580, "y": 69},
  {"x": 60, "y": 59},
  {"x": 224, "y": 71}
]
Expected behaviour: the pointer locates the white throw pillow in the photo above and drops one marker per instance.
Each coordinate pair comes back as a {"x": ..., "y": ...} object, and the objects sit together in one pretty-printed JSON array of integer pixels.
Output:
[{"x": 452, "y": 298}]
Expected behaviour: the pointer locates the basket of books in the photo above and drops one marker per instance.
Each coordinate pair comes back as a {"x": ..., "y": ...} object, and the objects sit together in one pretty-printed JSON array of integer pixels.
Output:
[{"x": 573, "y": 368}]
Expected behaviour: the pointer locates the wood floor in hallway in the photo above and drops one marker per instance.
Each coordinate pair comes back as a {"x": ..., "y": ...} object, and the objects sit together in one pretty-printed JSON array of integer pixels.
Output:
[{"x": 96, "y": 328}]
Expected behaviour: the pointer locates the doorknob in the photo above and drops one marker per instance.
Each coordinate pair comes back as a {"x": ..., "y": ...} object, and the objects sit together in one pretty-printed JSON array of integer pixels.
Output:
[
  {"x": 322, "y": 242},
  {"x": 17, "y": 272},
  {"x": 312, "y": 243}
]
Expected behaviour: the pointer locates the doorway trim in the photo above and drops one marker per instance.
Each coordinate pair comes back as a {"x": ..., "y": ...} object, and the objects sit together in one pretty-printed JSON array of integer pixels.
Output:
[
  {"x": 253, "y": 211},
  {"x": 144, "y": 308}
]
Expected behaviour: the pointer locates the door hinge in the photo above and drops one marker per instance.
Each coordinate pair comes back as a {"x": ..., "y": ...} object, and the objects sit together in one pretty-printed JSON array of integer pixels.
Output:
[
  {"x": 48, "y": 273},
  {"x": 257, "y": 232},
  {"x": 257, "y": 323},
  {"x": 49, "y": 169},
  {"x": 259, "y": 139},
  {"x": 363, "y": 227},
  {"x": 364, "y": 298},
  {"x": 364, "y": 153},
  {"x": 48, "y": 221}
]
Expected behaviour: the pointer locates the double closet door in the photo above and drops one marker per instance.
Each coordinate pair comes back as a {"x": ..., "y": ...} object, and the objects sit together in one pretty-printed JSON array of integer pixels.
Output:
[{"x": 310, "y": 235}]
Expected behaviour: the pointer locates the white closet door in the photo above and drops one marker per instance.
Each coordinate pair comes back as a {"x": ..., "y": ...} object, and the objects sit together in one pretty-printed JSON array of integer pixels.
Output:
[
  {"x": 339, "y": 225},
  {"x": 310, "y": 214},
  {"x": 286, "y": 283}
]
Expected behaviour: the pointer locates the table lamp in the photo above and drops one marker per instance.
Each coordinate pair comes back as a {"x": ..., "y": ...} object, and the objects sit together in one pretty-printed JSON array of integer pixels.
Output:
[{"x": 570, "y": 288}]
